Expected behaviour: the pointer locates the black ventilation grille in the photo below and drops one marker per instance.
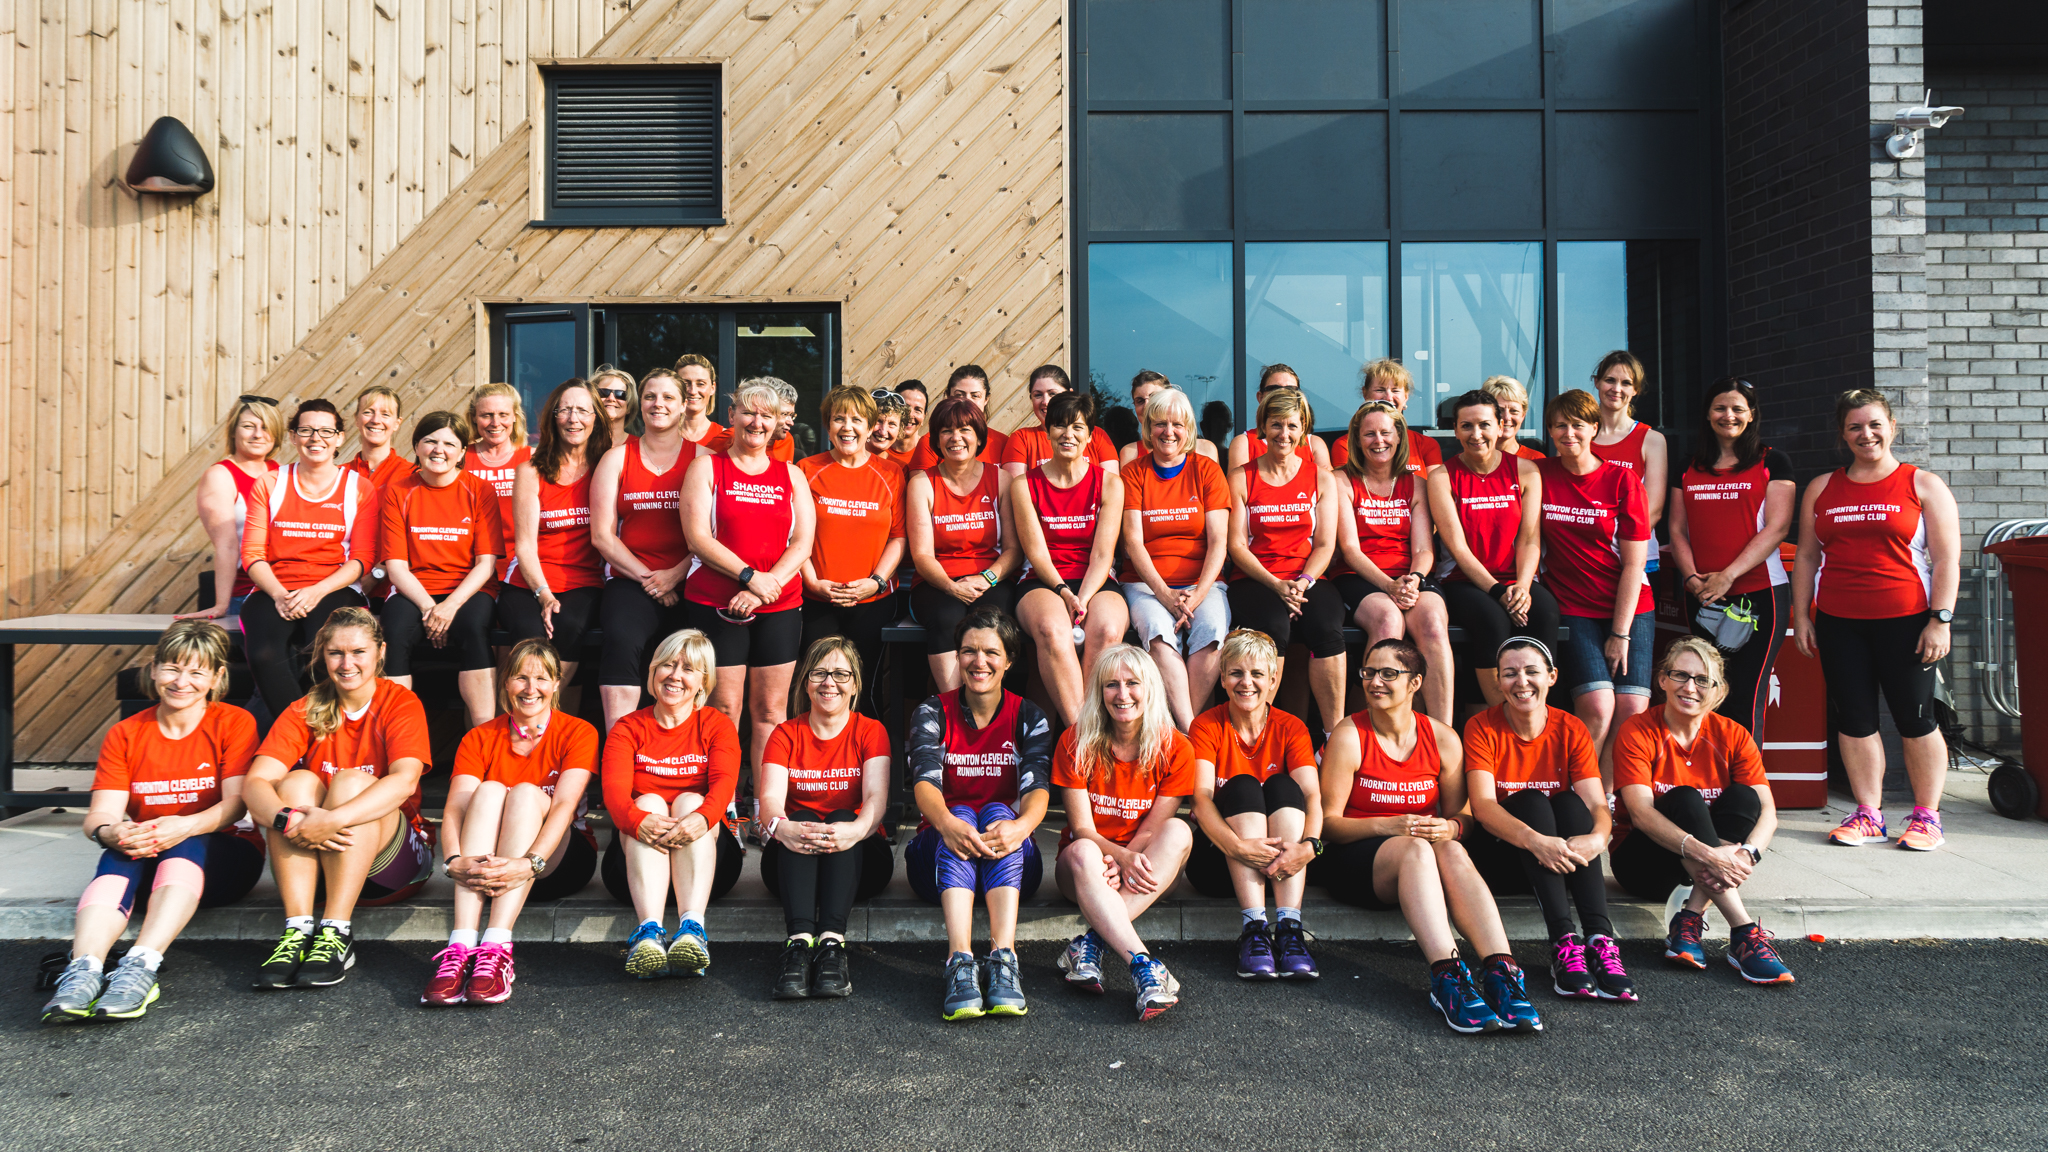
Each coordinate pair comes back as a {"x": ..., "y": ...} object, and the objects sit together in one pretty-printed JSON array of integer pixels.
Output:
[{"x": 633, "y": 146}]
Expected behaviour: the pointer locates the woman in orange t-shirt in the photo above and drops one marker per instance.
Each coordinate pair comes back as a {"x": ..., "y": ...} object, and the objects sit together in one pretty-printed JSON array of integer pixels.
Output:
[
  {"x": 962, "y": 542},
  {"x": 440, "y": 542},
  {"x": 165, "y": 800},
  {"x": 857, "y": 543},
  {"x": 1124, "y": 770}
]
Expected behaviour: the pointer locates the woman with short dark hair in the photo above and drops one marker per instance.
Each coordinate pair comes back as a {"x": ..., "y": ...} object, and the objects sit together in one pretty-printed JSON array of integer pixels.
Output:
[{"x": 962, "y": 543}]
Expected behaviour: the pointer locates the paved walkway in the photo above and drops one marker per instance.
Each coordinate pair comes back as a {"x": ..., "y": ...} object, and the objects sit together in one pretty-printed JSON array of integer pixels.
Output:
[{"x": 1990, "y": 881}]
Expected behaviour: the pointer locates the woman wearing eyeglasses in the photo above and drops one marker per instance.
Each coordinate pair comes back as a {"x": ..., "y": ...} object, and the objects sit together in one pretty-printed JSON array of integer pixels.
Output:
[
  {"x": 499, "y": 423},
  {"x": 635, "y": 494},
  {"x": 1251, "y": 443},
  {"x": 618, "y": 397},
  {"x": 962, "y": 540},
  {"x": 1386, "y": 540},
  {"x": 858, "y": 542},
  {"x": 557, "y": 580},
  {"x": 311, "y": 528},
  {"x": 254, "y": 436}
]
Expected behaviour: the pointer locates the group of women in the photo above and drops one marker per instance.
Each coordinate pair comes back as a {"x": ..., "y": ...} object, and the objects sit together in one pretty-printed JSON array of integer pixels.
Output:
[{"x": 727, "y": 577}]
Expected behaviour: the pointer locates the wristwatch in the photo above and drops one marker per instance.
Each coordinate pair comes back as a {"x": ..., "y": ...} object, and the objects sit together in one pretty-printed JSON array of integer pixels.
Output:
[
  {"x": 283, "y": 820},
  {"x": 1756, "y": 855},
  {"x": 1945, "y": 615},
  {"x": 539, "y": 862},
  {"x": 746, "y": 576},
  {"x": 989, "y": 574},
  {"x": 1315, "y": 844}
]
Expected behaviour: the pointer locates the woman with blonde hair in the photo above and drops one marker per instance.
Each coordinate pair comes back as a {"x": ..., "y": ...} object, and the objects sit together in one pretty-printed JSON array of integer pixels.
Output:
[
  {"x": 1125, "y": 769},
  {"x": 1388, "y": 382},
  {"x": 635, "y": 492},
  {"x": 1250, "y": 444},
  {"x": 1514, "y": 409},
  {"x": 618, "y": 399},
  {"x": 378, "y": 411},
  {"x": 1387, "y": 542},
  {"x": 498, "y": 421},
  {"x": 858, "y": 541},
  {"x": 255, "y": 433}
]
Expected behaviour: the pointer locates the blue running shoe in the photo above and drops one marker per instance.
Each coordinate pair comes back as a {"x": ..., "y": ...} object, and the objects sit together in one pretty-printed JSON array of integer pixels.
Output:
[
  {"x": 1508, "y": 995},
  {"x": 689, "y": 950},
  {"x": 963, "y": 989},
  {"x": 1753, "y": 954},
  {"x": 1081, "y": 963},
  {"x": 645, "y": 956},
  {"x": 1255, "y": 953},
  {"x": 1157, "y": 989},
  {"x": 1683, "y": 945},
  {"x": 1453, "y": 994}
]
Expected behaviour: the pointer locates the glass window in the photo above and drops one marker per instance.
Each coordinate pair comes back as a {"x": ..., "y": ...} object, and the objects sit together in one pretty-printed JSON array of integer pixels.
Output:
[
  {"x": 1469, "y": 311},
  {"x": 1321, "y": 309},
  {"x": 792, "y": 346},
  {"x": 1642, "y": 295},
  {"x": 657, "y": 339},
  {"x": 539, "y": 354},
  {"x": 1592, "y": 307},
  {"x": 1166, "y": 307}
]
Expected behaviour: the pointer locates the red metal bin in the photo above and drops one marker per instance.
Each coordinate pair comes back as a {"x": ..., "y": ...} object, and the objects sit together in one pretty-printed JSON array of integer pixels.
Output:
[{"x": 2026, "y": 572}]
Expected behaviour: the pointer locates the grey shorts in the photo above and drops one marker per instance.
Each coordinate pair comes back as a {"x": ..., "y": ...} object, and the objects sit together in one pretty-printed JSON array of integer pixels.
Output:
[{"x": 1154, "y": 620}]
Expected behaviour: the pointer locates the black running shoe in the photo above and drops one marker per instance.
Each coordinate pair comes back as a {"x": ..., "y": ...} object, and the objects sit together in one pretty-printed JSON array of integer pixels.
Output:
[
  {"x": 328, "y": 959},
  {"x": 281, "y": 970},
  {"x": 795, "y": 981},
  {"x": 830, "y": 979}
]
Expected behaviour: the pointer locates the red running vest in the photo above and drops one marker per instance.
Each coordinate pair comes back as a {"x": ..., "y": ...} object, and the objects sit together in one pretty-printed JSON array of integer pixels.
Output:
[
  {"x": 981, "y": 764},
  {"x": 1873, "y": 548},
  {"x": 1385, "y": 786},
  {"x": 1490, "y": 511},
  {"x": 1067, "y": 518},
  {"x": 754, "y": 516},
  {"x": 1281, "y": 519},
  {"x": 650, "y": 520},
  {"x": 1386, "y": 524},
  {"x": 568, "y": 559}
]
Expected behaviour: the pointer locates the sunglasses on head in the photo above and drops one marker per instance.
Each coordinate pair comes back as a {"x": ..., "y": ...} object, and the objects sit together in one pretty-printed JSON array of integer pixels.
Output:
[{"x": 272, "y": 401}]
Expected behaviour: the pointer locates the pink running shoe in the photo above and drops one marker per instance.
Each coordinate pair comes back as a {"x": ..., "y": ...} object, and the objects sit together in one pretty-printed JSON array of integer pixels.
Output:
[
  {"x": 1923, "y": 831},
  {"x": 490, "y": 981},
  {"x": 1864, "y": 826},
  {"x": 451, "y": 970}
]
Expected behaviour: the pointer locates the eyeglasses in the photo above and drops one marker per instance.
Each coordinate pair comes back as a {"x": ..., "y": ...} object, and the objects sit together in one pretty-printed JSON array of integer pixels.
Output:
[
  {"x": 1683, "y": 678},
  {"x": 252, "y": 399},
  {"x": 835, "y": 675},
  {"x": 611, "y": 393},
  {"x": 329, "y": 434},
  {"x": 1384, "y": 675},
  {"x": 565, "y": 410}
]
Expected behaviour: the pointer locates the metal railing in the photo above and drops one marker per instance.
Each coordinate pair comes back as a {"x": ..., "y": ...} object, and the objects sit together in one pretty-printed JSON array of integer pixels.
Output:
[{"x": 2000, "y": 665}]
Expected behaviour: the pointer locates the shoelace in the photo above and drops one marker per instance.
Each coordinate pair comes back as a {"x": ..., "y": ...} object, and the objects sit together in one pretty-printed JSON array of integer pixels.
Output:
[
  {"x": 488, "y": 961},
  {"x": 1930, "y": 821},
  {"x": 1292, "y": 941},
  {"x": 1512, "y": 979},
  {"x": 1572, "y": 957},
  {"x": 288, "y": 946},
  {"x": 1260, "y": 942},
  {"x": 1864, "y": 824},
  {"x": 1091, "y": 949},
  {"x": 1759, "y": 943},
  {"x": 964, "y": 981},
  {"x": 1690, "y": 926},
  {"x": 327, "y": 946},
  {"x": 1002, "y": 970},
  {"x": 451, "y": 961},
  {"x": 643, "y": 933},
  {"x": 129, "y": 979},
  {"x": 1606, "y": 954},
  {"x": 1146, "y": 976},
  {"x": 78, "y": 984}
]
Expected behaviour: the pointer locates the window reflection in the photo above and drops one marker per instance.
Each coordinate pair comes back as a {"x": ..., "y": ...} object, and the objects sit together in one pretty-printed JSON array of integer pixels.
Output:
[
  {"x": 1321, "y": 309},
  {"x": 1469, "y": 311},
  {"x": 539, "y": 354},
  {"x": 792, "y": 346},
  {"x": 1642, "y": 295},
  {"x": 1166, "y": 307}
]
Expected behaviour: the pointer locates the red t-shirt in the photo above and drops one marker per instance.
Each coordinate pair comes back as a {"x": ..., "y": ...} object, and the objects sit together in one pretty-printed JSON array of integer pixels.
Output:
[
  {"x": 967, "y": 531},
  {"x": 923, "y": 457},
  {"x": 1121, "y": 794},
  {"x": 1584, "y": 517},
  {"x": 1175, "y": 514},
  {"x": 569, "y": 743},
  {"x": 1874, "y": 563},
  {"x": 1561, "y": 756},
  {"x": 1724, "y": 511},
  {"x": 440, "y": 532},
  {"x": 1281, "y": 748},
  {"x": 304, "y": 540},
  {"x": 825, "y": 775},
  {"x": 702, "y": 755},
  {"x": 1032, "y": 447},
  {"x": 1384, "y": 786},
  {"x": 859, "y": 510},
  {"x": 166, "y": 777},
  {"x": 394, "y": 727}
]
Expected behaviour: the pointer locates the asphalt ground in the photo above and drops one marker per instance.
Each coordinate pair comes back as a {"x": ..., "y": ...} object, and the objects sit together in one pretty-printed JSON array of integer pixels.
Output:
[{"x": 1912, "y": 1045}]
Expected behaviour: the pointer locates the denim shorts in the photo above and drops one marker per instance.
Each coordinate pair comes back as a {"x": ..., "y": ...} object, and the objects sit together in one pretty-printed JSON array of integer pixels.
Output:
[
  {"x": 1153, "y": 620},
  {"x": 1584, "y": 656}
]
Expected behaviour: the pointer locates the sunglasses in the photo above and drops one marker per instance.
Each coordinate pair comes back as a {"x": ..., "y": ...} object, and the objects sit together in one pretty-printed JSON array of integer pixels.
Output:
[
  {"x": 612, "y": 393},
  {"x": 270, "y": 400},
  {"x": 889, "y": 401}
]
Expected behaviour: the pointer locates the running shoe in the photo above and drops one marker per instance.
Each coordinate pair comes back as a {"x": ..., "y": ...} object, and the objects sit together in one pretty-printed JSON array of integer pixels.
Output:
[
  {"x": 1864, "y": 826},
  {"x": 1157, "y": 989},
  {"x": 1614, "y": 981},
  {"x": 77, "y": 988},
  {"x": 1507, "y": 993},
  {"x": 1452, "y": 993},
  {"x": 1081, "y": 963},
  {"x": 1255, "y": 953},
  {"x": 281, "y": 970},
  {"x": 830, "y": 979},
  {"x": 795, "y": 981},
  {"x": 450, "y": 984},
  {"x": 1568, "y": 975},
  {"x": 646, "y": 958},
  {"x": 1005, "y": 993},
  {"x": 1293, "y": 959},
  {"x": 1683, "y": 944},
  {"x": 1752, "y": 953},
  {"x": 490, "y": 977},
  {"x": 1923, "y": 831},
  {"x": 328, "y": 959},
  {"x": 963, "y": 989},
  {"x": 129, "y": 992},
  {"x": 689, "y": 950}
]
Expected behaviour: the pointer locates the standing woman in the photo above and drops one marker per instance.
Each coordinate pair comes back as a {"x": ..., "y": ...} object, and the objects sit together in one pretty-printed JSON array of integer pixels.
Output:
[
  {"x": 557, "y": 580},
  {"x": 858, "y": 543},
  {"x": 1514, "y": 408},
  {"x": 969, "y": 382},
  {"x": 823, "y": 787},
  {"x": 962, "y": 543},
  {"x": 750, "y": 523},
  {"x": 1069, "y": 512},
  {"x": 165, "y": 799},
  {"x": 1145, "y": 385},
  {"x": 1124, "y": 769},
  {"x": 1176, "y": 537},
  {"x": 618, "y": 397},
  {"x": 698, "y": 378},
  {"x": 1283, "y": 536},
  {"x": 311, "y": 530},
  {"x": 1251, "y": 443},
  {"x": 1488, "y": 508},
  {"x": 254, "y": 436},
  {"x": 377, "y": 413},
  {"x": 634, "y": 524},
  {"x": 1386, "y": 540},
  {"x": 499, "y": 423},
  {"x": 1626, "y": 441},
  {"x": 1875, "y": 595},
  {"x": 916, "y": 403},
  {"x": 1027, "y": 448},
  {"x": 1731, "y": 507}
]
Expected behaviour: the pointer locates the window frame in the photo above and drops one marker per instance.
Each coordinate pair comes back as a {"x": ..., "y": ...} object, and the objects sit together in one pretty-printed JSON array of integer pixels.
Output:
[{"x": 540, "y": 165}]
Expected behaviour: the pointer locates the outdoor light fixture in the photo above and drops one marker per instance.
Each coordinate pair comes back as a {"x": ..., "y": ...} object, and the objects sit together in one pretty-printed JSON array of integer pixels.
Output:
[
  {"x": 169, "y": 160},
  {"x": 1910, "y": 124}
]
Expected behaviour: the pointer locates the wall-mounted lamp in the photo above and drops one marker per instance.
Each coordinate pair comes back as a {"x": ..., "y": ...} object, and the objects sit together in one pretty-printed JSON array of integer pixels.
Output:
[
  {"x": 169, "y": 160},
  {"x": 1909, "y": 126}
]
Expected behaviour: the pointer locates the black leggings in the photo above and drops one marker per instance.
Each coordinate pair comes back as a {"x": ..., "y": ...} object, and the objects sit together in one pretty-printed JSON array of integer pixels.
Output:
[
  {"x": 1861, "y": 658},
  {"x": 1487, "y": 625},
  {"x": 1649, "y": 870},
  {"x": 818, "y": 891},
  {"x": 519, "y": 616},
  {"x": 1320, "y": 625},
  {"x": 468, "y": 638},
  {"x": 1345, "y": 872},
  {"x": 1749, "y": 667},
  {"x": 725, "y": 874},
  {"x": 1208, "y": 869},
  {"x": 938, "y": 613},
  {"x": 276, "y": 647},
  {"x": 1509, "y": 869},
  {"x": 572, "y": 875},
  {"x": 860, "y": 623},
  {"x": 633, "y": 625}
]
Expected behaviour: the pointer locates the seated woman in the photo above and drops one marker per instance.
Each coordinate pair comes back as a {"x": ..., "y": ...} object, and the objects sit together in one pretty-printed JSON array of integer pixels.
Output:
[
  {"x": 1536, "y": 792},
  {"x": 165, "y": 800},
  {"x": 957, "y": 520},
  {"x": 557, "y": 580},
  {"x": 857, "y": 506},
  {"x": 823, "y": 788},
  {"x": 980, "y": 758},
  {"x": 1388, "y": 543},
  {"x": 1399, "y": 783},
  {"x": 669, "y": 772},
  {"x": 440, "y": 548},
  {"x": 1144, "y": 386},
  {"x": 255, "y": 433},
  {"x": 1259, "y": 803},
  {"x": 508, "y": 830},
  {"x": 1068, "y": 514},
  {"x": 335, "y": 786},
  {"x": 1701, "y": 812},
  {"x": 1124, "y": 770}
]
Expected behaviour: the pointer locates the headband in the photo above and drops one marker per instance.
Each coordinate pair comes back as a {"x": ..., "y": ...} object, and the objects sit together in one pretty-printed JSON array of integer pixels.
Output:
[{"x": 1518, "y": 641}]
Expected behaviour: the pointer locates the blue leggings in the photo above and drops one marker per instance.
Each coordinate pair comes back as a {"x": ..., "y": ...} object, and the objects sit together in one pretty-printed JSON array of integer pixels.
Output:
[
  {"x": 232, "y": 867},
  {"x": 933, "y": 867}
]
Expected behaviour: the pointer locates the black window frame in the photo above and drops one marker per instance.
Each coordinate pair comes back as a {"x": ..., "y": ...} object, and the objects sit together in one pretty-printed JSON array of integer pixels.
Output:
[{"x": 549, "y": 214}]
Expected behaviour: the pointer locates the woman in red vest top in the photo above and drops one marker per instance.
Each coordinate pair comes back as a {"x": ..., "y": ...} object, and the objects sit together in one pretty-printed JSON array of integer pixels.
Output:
[
  {"x": 1874, "y": 590},
  {"x": 1027, "y": 448},
  {"x": 498, "y": 420},
  {"x": 1387, "y": 543},
  {"x": 636, "y": 525},
  {"x": 557, "y": 580},
  {"x": 1251, "y": 443},
  {"x": 254, "y": 436},
  {"x": 962, "y": 540},
  {"x": 1627, "y": 442}
]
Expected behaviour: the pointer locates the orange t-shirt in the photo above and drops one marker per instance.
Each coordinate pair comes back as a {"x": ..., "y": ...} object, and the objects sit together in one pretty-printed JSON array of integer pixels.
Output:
[
  {"x": 1281, "y": 748},
  {"x": 1723, "y": 754},
  {"x": 825, "y": 775},
  {"x": 304, "y": 540},
  {"x": 1122, "y": 795},
  {"x": 569, "y": 743},
  {"x": 1176, "y": 514},
  {"x": 1551, "y": 763},
  {"x": 702, "y": 755},
  {"x": 1032, "y": 447},
  {"x": 923, "y": 457},
  {"x": 440, "y": 532},
  {"x": 859, "y": 510},
  {"x": 900, "y": 459},
  {"x": 394, "y": 727},
  {"x": 166, "y": 777}
]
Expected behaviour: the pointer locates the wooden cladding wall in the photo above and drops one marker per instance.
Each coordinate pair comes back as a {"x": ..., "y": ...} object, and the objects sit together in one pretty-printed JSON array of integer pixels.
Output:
[{"x": 905, "y": 159}]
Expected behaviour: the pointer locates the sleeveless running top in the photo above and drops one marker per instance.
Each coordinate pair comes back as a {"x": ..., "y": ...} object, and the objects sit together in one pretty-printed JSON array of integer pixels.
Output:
[
  {"x": 1873, "y": 548},
  {"x": 1281, "y": 519},
  {"x": 981, "y": 764},
  {"x": 1724, "y": 511},
  {"x": 568, "y": 559},
  {"x": 243, "y": 483},
  {"x": 753, "y": 516},
  {"x": 500, "y": 480},
  {"x": 1386, "y": 524},
  {"x": 305, "y": 540},
  {"x": 1490, "y": 511},
  {"x": 1385, "y": 786},
  {"x": 650, "y": 523},
  {"x": 967, "y": 531},
  {"x": 1626, "y": 452},
  {"x": 1067, "y": 517}
]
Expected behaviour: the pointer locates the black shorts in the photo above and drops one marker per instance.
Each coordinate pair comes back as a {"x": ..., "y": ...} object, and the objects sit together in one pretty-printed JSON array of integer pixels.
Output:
[
  {"x": 1345, "y": 872},
  {"x": 1243, "y": 793},
  {"x": 770, "y": 639},
  {"x": 468, "y": 637},
  {"x": 519, "y": 616},
  {"x": 1863, "y": 659},
  {"x": 1320, "y": 625},
  {"x": 633, "y": 626},
  {"x": 938, "y": 613}
]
